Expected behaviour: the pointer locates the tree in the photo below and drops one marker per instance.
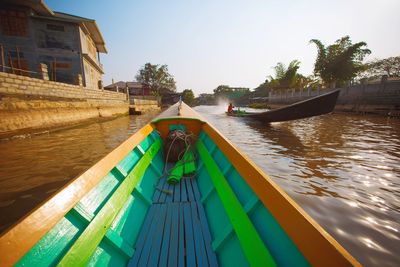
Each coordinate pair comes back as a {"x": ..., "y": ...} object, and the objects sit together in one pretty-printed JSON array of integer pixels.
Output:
[
  {"x": 339, "y": 62},
  {"x": 376, "y": 68},
  {"x": 188, "y": 96},
  {"x": 157, "y": 78},
  {"x": 286, "y": 77},
  {"x": 262, "y": 89},
  {"x": 224, "y": 91}
]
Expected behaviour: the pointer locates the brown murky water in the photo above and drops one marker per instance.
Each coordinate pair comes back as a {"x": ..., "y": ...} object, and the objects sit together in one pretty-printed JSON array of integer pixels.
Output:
[{"x": 343, "y": 170}]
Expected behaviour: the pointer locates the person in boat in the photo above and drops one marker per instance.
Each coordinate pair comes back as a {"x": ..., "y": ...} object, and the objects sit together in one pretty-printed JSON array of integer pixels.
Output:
[{"x": 230, "y": 108}]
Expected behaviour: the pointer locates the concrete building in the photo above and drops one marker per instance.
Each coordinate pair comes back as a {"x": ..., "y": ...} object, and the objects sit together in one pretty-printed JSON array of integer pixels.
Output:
[
  {"x": 135, "y": 88},
  {"x": 31, "y": 33}
]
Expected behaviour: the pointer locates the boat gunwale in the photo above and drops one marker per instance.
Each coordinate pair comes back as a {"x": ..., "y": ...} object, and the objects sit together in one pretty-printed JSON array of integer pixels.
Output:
[
  {"x": 157, "y": 120},
  {"x": 20, "y": 237}
]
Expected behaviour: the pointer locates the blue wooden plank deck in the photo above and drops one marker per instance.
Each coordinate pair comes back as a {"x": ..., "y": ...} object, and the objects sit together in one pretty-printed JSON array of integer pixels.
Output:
[
  {"x": 172, "y": 257},
  {"x": 183, "y": 191},
  {"x": 154, "y": 254},
  {"x": 212, "y": 259},
  {"x": 152, "y": 238},
  {"x": 181, "y": 245},
  {"x": 175, "y": 231},
  {"x": 189, "y": 238},
  {"x": 201, "y": 255},
  {"x": 164, "y": 250},
  {"x": 145, "y": 235},
  {"x": 189, "y": 188}
]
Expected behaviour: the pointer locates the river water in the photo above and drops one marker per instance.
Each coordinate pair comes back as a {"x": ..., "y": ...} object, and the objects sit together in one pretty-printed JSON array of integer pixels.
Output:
[{"x": 344, "y": 170}]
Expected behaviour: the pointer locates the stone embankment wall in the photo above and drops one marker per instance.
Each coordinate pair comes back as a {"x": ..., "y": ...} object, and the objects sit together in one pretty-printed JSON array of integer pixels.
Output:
[
  {"x": 143, "y": 104},
  {"x": 377, "y": 98},
  {"x": 29, "y": 104}
]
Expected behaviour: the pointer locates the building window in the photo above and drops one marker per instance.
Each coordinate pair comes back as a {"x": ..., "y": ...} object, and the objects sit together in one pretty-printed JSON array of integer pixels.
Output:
[
  {"x": 59, "y": 28},
  {"x": 13, "y": 23}
]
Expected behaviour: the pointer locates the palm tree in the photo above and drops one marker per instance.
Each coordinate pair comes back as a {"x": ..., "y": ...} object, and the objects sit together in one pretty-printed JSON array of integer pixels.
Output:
[
  {"x": 286, "y": 77},
  {"x": 339, "y": 62}
]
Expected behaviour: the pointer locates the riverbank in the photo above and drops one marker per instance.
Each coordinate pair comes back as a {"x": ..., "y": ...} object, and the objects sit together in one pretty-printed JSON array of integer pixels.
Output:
[
  {"x": 33, "y": 105},
  {"x": 29, "y": 133}
]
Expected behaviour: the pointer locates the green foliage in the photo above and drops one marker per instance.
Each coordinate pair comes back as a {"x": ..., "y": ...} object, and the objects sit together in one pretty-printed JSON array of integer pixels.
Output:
[
  {"x": 205, "y": 99},
  {"x": 222, "y": 89},
  {"x": 230, "y": 92},
  {"x": 339, "y": 62},
  {"x": 310, "y": 81},
  {"x": 262, "y": 89},
  {"x": 258, "y": 105},
  {"x": 188, "y": 96},
  {"x": 157, "y": 78},
  {"x": 375, "y": 69},
  {"x": 286, "y": 77}
]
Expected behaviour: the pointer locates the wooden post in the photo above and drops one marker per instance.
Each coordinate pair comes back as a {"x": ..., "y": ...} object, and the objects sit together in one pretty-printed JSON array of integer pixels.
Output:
[
  {"x": 3, "y": 67},
  {"x": 18, "y": 61},
  {"x": 52, "y": 71},
  {"x": 10, "y": 62},
  {"x": 55, "y": 69},
  {"x": 127, "y": 93}
]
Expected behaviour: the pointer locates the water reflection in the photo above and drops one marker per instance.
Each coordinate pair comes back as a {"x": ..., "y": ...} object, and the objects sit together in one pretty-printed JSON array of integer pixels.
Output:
[
  {"x": 280, "y": 134},
  {"x": 342, "y": 169}
]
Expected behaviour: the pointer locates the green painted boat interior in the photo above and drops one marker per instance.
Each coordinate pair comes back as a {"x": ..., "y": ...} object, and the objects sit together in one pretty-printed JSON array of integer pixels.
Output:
[{"x": 134, "y": 217}]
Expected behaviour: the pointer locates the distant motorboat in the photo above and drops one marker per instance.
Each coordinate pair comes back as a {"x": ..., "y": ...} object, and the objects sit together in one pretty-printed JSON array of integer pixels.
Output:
[{"x": 314, "y": 106}]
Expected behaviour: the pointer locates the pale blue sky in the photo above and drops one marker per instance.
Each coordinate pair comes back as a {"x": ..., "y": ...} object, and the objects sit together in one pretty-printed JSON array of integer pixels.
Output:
[{"x": 211, "y": 42}]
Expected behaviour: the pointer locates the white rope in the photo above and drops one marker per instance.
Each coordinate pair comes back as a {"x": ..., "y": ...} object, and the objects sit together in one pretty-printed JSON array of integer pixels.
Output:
[{"x": 187, "y": 139}]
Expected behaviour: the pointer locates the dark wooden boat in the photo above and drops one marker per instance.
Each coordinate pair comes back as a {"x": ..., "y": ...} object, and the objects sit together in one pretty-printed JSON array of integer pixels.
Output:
[
  {"x": 315, "y": 106},
  {"x": 122, "y": 211}
]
